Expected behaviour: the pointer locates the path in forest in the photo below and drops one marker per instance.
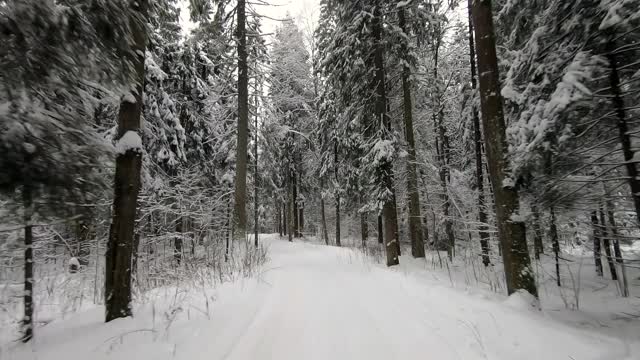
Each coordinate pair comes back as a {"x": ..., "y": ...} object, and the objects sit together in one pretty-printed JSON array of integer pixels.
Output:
[
  {"x": 319, "y": 302},
  {"x": 313, "y": 301}
]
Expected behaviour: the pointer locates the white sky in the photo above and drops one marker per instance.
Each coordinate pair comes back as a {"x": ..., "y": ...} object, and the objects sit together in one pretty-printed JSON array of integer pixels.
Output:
[{"x": 303, "y": 11}]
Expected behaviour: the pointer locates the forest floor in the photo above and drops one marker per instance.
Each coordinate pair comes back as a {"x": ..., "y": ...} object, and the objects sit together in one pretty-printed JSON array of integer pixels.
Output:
[{"x": 312, "y": 301}]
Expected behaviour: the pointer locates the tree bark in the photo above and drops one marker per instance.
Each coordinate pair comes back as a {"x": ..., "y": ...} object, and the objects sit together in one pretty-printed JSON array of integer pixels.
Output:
[
  {"x": 294, "y": 187},
  {"x": 325, "y": 234},
  {"x": 127, "y": 182},
  {"x": 511, "y": 232},
  {"x": 240, "y": 194},
  {"x": 623, "y": 128},
  {"x": 606, "y": 242},
  {"x": 279, "y": 218},
  {"x": 301, "y": 219},
  {"x": 178, "y": 240},
  {"x": 335, "y": 162},
  {"x": 364, "y": 226},
  {"x": 380, "y": 230},
  {"x": 255, "y": 176},
  {"x": 415, "y": 219},
  {"x": 477, "y": 139},
  {"x": 227, "y": 233},
  {"x": 389, "y": 211},
  {"x": 537, "y": 232},
  {"x": 27, "y": 321},
  {"x": 553, "y": 229},
  {"x": 597, "y": 254},
  {"x": 624, "y": 286},
  {"x": 285, "y": 224}
]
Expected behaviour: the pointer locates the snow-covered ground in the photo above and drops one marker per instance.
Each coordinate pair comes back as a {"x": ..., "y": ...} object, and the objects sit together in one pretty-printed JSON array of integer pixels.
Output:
[{"x": 312, "y": 301}]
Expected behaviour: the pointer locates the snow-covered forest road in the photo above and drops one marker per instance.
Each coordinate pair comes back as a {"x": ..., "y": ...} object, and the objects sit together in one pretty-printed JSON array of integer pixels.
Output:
[{"x": 319, "y": 302}]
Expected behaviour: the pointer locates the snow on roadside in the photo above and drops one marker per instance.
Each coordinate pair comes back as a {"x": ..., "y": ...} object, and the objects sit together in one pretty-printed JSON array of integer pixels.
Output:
[{"x": 316, "y": 302}]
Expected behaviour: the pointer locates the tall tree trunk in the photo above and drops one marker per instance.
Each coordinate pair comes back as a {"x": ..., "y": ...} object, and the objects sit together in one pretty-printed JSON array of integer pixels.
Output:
[
  {"x": 364, "y": 229},
  {"x": 335, "y": 162},
  {"x": 240, "y": 194},
  {"x": 512, "y": 233},
  {"x": 553, "y": 230},
  {"x": 537, "y": 232},
  {"x": 178, "y": 240},
  {"x": 228, "y": 228},
  {"x": 27, "y": 321},
  {"x": 294, "y": 187},
  {"x": 279, "y": 218},
  {"x": 606, "y": 242},
  {"x": 415, "y": 219},
  {"x": 285, "y": 224},
  {"x": 364, "y": 226},
  {"x": 255, "y": 176},
  {"x": 597, "y": 254},
  {"x": 127, "y": 181},
  {"x": 624, "y": 286},
  {"x": 380, "y": 230},
  {"x": 442, "y": 155},
  {"x": 290, "y": 207},
  {"x": 325, "y": 234},
  {"x": 623, "y": 127},
  {"x": 301, "y": 218},
  {"x": 389, "y": 211},
  {"x": 477, "y": 140}
]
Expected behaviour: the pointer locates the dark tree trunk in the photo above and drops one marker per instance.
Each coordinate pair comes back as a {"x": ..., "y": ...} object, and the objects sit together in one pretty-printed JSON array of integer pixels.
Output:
[
  {"x": 624, "y": 286},
  {"x": 178, "y": 240},
  {"x": 228, "y": 228},
  {"x": 279, "y": 218},
  {"x": 127, "y": 183},
  {"x": 364, "y": 226},
  {"x": 512, "y": 233},
  {"x": 389, "y": 211},
  {"x": 415, "y": 219},
  {"x": 442, "y": 156},
  {"x": 255, "y": 177},
  {"x": 301, "y": 219},
  {"x": 553, "y": 232},
  {"x": 290, "y": 207},
  {"x": 296, "y": 219},
  {"x": 240, "y": 194},
  {"x": 380, "y": 231},
  {"x": 597, "y": 253},
  {"x": 477, "y": 140},
  {"x": 623, "y": 127},
  {"x": 606, "y": 242},
  {"x": 285, "y": 224},
  {"x": 538, "y": 247},
  {"x": 27, "y": 321},
  {"x": 335, "y": 162},
  {"x": 325, "y": 234}
]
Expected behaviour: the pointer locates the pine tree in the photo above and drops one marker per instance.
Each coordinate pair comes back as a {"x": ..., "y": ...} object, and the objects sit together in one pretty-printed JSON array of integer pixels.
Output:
[
  {"x": 120, "y": 248},
  {"x": 511, "y": 230}
]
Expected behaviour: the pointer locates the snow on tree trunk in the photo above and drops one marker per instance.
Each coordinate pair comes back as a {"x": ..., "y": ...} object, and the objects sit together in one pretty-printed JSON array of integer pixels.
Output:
[
  {"x": 127, "y": 181},
  {"x": 389, "y": 211},
  {"x": 511, "y": 229}
]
